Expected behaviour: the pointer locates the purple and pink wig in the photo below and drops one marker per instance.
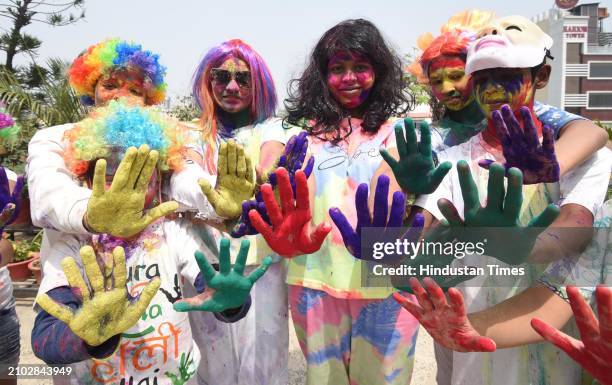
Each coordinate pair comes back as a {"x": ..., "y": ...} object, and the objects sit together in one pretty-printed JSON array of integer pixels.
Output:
[{"x": 263, "y": 105}]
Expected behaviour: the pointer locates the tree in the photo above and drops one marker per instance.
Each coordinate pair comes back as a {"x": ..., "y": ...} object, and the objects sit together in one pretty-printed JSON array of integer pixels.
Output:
[
  {"x": 51, "y": 103},
  {"x": 25, "y": 12}
]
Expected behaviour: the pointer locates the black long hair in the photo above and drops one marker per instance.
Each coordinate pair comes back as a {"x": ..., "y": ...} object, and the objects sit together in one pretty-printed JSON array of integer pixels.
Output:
[{"x": 310, "y": 99}]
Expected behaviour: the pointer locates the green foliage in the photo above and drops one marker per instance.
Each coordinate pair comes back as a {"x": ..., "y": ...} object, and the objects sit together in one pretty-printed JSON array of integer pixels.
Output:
[
  {"x": 185, "y": 110},
  {"x": 51, "y": 103},
  {"x": 24, "y": 247},
  {"x": 420, "y": 92}
]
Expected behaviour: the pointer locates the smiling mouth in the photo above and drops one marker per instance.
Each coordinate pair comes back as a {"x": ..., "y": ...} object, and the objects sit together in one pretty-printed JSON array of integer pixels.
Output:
[{"x": 489, "y": 42}]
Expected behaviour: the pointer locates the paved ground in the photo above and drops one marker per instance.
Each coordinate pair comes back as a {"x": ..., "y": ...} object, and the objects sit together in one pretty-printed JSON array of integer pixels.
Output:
[{"x": 424, "y": 371}]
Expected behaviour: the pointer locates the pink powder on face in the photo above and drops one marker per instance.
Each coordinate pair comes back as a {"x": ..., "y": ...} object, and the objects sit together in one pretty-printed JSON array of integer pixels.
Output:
[{"x": 350, "y": 78}]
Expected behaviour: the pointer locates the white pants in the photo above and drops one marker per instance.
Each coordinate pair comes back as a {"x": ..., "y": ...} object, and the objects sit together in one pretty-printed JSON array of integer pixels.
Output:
[{"x": 254, "y": 350}]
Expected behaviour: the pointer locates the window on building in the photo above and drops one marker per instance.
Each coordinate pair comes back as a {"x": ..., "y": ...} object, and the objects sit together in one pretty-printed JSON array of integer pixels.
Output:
[
  {"x": 599, "y": 99},
  {"x": 600, "y": 70}
]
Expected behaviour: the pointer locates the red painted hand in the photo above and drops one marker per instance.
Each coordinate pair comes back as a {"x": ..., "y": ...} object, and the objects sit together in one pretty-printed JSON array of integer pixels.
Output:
[
  {"x": 594, "y": 352},
  {"x": 446, "y": 322},
  {"x": 291, "y": 233}
]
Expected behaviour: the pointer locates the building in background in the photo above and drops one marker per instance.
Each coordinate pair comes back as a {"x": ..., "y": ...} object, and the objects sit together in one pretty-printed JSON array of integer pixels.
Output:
[{"x": 581, "y": 79}]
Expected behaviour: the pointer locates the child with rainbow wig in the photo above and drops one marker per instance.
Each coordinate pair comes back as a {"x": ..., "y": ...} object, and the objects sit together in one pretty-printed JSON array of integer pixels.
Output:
[
  {"x": 157, "y": 346},
  {"x": 235, "y": 91}
]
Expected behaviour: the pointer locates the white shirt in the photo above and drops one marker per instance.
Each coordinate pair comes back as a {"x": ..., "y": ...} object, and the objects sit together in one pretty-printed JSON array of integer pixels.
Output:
[
  {"x": 162, "y": 338},
  {"x": 539, "y": 363}
]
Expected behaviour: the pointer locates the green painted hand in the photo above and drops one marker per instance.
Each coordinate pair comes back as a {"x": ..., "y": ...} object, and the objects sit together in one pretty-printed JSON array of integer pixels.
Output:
[
  {"x": 119, "y": 211},
  {"x": 227, "y": 289},
  {"x": 512, "y": 245},
  {"x": 235, "y": 181},
  {"x": 415, "y": 171},
  {"x": 104, "y": 313}
]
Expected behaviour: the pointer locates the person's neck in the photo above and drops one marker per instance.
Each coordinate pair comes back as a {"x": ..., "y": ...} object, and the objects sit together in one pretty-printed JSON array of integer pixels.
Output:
[
  {"x": 471, "y": 114},
  {"x": 232, "y": 121},
  {"x": 490, "y": 134}
]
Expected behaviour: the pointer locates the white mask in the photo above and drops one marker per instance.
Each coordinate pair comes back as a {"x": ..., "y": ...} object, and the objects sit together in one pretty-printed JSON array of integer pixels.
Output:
[{"x": 508, "y": 42}]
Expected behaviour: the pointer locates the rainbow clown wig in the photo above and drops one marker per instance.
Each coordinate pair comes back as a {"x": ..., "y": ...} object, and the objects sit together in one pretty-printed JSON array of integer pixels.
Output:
[
  {"x": 112, "y": 129},
  {"x": 454, "y": 39},
  {"x": 113, "y": 54},
  {"x": 263, "y": 105}
]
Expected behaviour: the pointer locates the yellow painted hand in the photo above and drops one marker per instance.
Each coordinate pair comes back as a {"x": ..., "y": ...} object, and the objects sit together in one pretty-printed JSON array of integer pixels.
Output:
[
  {"x": 235, "y": 181},
  {"x": 119, "y": 211},
  {"x": 104, "y": 313}
]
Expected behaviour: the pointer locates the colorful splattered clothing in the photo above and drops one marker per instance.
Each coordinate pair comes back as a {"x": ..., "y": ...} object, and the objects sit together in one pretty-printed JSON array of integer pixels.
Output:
[
  {"x": 447, "y": 132},
  {"x": 539, "y": 363},
  {"x": 348, "y": 332},
  {"x": 353, "y": 341},
  {"x": 338, "y": 171},
  {"x": 253, "y": 351},
  {"x": 159, "y": 348}
]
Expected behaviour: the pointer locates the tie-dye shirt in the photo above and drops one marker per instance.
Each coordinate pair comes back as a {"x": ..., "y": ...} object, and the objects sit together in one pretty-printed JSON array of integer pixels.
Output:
[
  {"x": 539, "y": 363},
  {"x": 338, "y": 170}
]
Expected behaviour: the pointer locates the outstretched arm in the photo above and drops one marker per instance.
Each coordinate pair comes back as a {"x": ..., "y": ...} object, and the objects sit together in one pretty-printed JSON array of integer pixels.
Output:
[
  {"x": 507, "y": 323},
  {"x": 54, "y": 342},
  {"x": 504, "y": 325},
  {"x": 578, "y": 140}
]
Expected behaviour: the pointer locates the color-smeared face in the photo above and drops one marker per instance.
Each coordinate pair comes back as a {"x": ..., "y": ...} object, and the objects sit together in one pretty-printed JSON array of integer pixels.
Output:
[
  {"x": 231, "y": 85},
  {"x": 449, "y": 83},
  {"x": 128, "y": 84},
  {"x": 350, "y": 78},
  {"x": 496, "y": 87}
]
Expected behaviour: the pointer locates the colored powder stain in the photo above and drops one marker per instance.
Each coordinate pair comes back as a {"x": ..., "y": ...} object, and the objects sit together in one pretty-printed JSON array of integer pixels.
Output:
[
  {"x": 309, "y": 298},
  {"x": 332, "y": 351},
  {"x": 390, "y": 377},
  {"x": 376, "y": 324}
]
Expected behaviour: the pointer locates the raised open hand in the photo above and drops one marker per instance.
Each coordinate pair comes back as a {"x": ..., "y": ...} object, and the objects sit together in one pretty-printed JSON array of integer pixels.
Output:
[
  {"x": 291, "y": 232},
  {"x": 380, "y": 218},
  {"x": 104, "y": 313},
  {"x": 446, "y": 321},
  {"x": 119, "y": 211},
  {"x": 522, "y": 149},
  {"x": 235, "y": 181},
  {"x": 594, "y": 352},
  {"x": 227, "y": 289},
  {"x": 244, "y": 225},
  {"x": 502, "y": 209},
  {"x": 293, "y": 158},
  {"x": 415, "y": 171},
  {"x": 9, "y": 202}
]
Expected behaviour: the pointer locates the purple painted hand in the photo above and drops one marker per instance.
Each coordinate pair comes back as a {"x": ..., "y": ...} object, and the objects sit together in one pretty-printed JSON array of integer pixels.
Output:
[
  {"x": 380, "y": 218},
  {"x": 522, "y": 148},
  {"x": 244, "y": 225},
  {"x": 293, "y": 159},
  {"x": 9, "y": 202}
]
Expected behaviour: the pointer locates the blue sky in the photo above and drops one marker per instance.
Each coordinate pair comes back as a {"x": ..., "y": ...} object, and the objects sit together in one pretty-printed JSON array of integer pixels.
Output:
[{"x": 283, "y": 32}]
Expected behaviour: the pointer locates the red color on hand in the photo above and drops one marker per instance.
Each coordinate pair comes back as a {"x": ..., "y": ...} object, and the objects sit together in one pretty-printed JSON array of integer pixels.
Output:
[
  {"x": 446, "y": 322},
  {"x": 594, "y": 352},
  {"x": 291, "y": 233}
]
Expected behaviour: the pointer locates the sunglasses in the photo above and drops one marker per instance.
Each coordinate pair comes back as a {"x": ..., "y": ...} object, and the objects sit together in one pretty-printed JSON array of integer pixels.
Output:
[{"x": 221, "y": 76}]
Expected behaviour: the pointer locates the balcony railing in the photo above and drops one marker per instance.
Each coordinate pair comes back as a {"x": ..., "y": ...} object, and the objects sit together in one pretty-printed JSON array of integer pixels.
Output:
[
  {"x": 575, "y": 100},
  {"x": 581, "y": 70}
]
